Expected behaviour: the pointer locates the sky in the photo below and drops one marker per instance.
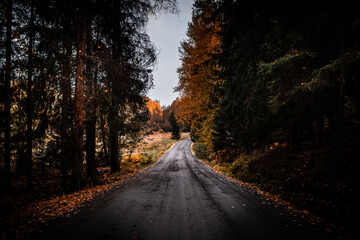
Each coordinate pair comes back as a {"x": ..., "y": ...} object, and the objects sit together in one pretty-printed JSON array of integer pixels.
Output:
[{"x": 166, "y": 31}]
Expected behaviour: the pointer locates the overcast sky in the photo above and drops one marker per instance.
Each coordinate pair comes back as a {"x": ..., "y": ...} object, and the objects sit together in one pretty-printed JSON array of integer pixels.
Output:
[{"x": 166, "y": 32}]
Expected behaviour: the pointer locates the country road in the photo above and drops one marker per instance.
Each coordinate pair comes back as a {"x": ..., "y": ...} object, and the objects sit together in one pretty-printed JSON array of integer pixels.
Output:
[{"x": 179, "y": 197}]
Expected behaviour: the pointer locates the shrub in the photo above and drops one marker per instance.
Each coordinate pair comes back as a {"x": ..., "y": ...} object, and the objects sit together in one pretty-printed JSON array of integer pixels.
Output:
[{"x": 201, "y": 150}]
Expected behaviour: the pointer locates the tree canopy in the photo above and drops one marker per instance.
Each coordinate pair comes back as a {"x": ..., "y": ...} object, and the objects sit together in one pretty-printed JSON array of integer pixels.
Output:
[
  {"x": 74, "y": 80},
  {"x": 253, "y": 74}
]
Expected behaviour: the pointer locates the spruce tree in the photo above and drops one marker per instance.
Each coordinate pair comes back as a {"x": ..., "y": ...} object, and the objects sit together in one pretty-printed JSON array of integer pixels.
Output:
[{"x": 175, "y": 126}]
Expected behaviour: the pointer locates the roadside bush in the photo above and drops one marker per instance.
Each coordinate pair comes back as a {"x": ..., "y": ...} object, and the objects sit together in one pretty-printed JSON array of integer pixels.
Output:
[
  {"x": 201, "y": 150},
  {"x": 240, "y": 168}
]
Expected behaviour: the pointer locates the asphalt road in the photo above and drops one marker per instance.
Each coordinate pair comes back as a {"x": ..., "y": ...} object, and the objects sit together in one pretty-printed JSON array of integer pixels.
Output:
[{"x": 179, "y": 197}]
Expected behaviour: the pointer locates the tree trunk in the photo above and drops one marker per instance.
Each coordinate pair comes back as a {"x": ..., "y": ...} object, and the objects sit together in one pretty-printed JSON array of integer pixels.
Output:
[
  {"x": 7, "y": 93},
  {"x": 79, "y": 104},
  {"x": 90, "y": 149},
  {"x": 341, "y": 108},
  {"x": 29, "y": 107},
  {"x": 90, "y": 112},
  {"x": 104, "y": 141},
  {"x": 113, "y": 112},
  {"x": 66, "y": 119},
  {"x": 114, "y": 146},
  {"x": 113, "y": 132}
]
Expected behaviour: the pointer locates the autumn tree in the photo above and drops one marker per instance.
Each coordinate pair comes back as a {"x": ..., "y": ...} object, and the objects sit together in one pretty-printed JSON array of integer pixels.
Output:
[
  {"x": 199, "y": 79},
  {"x": 156, "y": 115},
  {"x": 253, "y": 74}
]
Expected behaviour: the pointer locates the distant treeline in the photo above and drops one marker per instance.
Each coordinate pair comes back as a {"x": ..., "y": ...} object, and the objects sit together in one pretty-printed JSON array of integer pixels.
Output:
[{"x": 160, "y": 116}]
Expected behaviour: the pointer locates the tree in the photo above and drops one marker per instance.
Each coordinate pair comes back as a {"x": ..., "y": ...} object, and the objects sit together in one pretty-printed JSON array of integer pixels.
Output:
[
  {"x": 242, "y": 119},
  {"x": 199, "y": 80},
  {"x": 29, "y": 107},
  {"x": 156, "y": 115},
  {"x": 250, "y": 73},
  {"x": 79, "y": 97},
  {"x": 132, "y": 54},
  {"x": 91, "y": 108},
  {"x": 175, "y": 126},
  {"x": 55, "y": 94},
  {"x": 273, "y": 91},
  {"x": 66, "y": 123},
  {"x": 7, "y": 144}
]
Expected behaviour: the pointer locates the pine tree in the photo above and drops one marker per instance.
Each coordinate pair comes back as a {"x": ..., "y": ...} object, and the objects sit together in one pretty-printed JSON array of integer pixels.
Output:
[
  {"x": 8, "y": 69},
  {"x": 29, "y": 105},
  {"x": 175, "y": 126},
  {"x": 55, "y": 94},
  {"x": 79, "y": 97}
]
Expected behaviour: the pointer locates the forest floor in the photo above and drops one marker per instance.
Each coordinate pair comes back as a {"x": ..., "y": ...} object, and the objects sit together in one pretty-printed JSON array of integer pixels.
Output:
[
  {"x": 21, "y": 212},
  {"x": 319, "y": 181}
]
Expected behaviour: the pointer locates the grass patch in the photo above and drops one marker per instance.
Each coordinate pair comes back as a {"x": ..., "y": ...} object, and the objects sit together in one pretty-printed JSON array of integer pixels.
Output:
[{"x": 201, "y": 150}]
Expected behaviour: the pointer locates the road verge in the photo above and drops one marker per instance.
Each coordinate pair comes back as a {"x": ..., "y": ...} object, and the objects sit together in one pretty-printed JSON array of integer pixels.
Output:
[{"x": 275, "y": 200}]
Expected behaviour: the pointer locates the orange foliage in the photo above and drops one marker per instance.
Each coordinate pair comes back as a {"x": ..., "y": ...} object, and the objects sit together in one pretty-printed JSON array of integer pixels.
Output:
[
  {"x": 199, "y": 74},
  {"x": 154, "y": 107},
  {"x": 156, "y": 114}
]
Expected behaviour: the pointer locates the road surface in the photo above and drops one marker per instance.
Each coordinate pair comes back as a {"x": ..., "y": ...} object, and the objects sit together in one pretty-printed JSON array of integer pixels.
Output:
[{"x": 179, "y": 197}]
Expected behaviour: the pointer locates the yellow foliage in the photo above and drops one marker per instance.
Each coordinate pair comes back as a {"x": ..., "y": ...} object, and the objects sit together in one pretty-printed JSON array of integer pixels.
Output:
[
  {"x": 154, "y": 107},
  {"x": 133, "y": 158},
  {"x": 199, "y": 81}
]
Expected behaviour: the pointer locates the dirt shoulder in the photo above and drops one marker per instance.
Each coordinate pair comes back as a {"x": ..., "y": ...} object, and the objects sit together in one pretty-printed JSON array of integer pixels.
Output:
[{"x": 310, "y": 183}]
